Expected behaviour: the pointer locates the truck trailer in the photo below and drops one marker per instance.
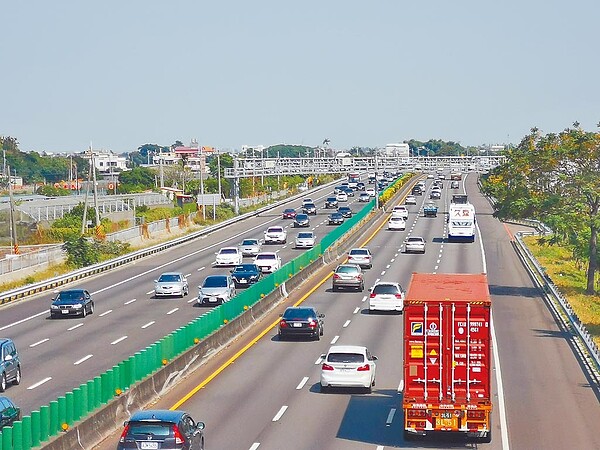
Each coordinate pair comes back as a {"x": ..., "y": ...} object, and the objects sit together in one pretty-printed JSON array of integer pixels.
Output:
[{"x": 447, "y": 356}]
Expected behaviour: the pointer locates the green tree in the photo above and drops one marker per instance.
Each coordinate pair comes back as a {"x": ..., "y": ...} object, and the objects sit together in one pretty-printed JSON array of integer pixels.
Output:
[
  {"x": 137, "y": 179},
  {"x": 81, "y": 252},
  {"x": 556, "y": 179}
]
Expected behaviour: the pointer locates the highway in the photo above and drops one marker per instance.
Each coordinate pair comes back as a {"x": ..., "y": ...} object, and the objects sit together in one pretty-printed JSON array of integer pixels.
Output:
[
  {"x": 58, "y": 355},
  {"x": 269, "y": 397}
]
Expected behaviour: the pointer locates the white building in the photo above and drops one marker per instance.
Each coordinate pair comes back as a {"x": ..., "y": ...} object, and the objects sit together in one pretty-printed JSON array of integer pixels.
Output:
[
  {"x": 398, "y": 150},
  {"x": 106, "y": 161}
]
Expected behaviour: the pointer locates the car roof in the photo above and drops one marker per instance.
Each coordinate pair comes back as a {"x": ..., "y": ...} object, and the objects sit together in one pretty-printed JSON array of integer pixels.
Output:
[
  {"x": 267, "y": 253},
  {"x": 216, "y": 276},
  {"x": 347, "y": 349},
  {"x": 386, "y": 282},
  {"x": 229, "y": 248},
  {"x": 163, "y": 415},
  {"x": 5, "y": 340},
  {"x": 275, "y": 228},
  {"x": 72, "y": 290}
]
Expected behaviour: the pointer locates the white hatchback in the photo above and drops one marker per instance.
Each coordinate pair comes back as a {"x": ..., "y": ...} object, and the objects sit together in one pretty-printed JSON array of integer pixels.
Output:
[{"x": 348, "y": 366}]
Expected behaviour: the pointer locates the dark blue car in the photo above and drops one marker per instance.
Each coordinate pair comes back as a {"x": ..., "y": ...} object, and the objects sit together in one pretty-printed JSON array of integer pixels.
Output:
[{"x": 245, "y": 274}]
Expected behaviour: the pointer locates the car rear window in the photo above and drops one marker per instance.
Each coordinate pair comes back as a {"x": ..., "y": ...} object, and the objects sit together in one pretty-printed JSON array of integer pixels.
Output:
[
  {"x": 265, "y": 256},
  {"x": 228, "y": 251},
  {"x": 160, "y": 430},
  {"x": 275, "y": 230},
  {"x": 345, "y": 358},
  {"x": 386, "y": 289},
  {"x": 299, "y": 313},
  {"x": 359, "y": 252},
  {"x": 305, "y": 235},
  {"x": 347, "y": 269},
  {"x": 249, "y": 242}
]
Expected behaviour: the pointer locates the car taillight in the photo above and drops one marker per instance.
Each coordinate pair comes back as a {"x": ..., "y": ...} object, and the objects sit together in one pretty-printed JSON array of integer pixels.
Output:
[
  {"x": 283, "y": 324},
  {"x": 326, "y": 367},
  {"x": 177, "y": 435},
  {"x": 372, "y": 295},
  {"x": 364, "y": 368},
  {"x": 312, "y": 324},
  {"x": 398, "y": 296},
  {"x": 124, "y": 433}
]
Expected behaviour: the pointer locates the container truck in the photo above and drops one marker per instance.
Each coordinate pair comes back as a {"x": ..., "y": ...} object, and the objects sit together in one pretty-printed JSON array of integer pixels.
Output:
[{"x": 447, "y": 356}]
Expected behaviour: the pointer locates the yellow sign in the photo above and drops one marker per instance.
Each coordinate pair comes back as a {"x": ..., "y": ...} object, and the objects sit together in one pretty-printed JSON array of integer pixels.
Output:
[
  {"x": 416, "y": 351},
  {"x": 432, "y": 353}
]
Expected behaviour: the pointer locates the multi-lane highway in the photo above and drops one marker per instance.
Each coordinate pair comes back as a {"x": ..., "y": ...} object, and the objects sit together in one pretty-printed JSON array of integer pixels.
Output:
[{"x": 269, "y": 397}]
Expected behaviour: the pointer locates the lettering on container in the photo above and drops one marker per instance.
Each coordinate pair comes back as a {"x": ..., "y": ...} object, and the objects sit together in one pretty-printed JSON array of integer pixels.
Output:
[{"x": 433, "y": 330}]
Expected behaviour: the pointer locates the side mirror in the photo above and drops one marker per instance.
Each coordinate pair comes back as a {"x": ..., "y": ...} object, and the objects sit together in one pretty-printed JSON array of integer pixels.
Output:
[
  {"x": 322, "y": 316},
  {"x": 156, "y": 281},
  {"x": 374, "y": 358},
  {"x": 200, "y": 426}
]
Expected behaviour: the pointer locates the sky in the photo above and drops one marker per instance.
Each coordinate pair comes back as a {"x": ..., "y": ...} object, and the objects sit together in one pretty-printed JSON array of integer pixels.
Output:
[{"x": 119, "y": 74}]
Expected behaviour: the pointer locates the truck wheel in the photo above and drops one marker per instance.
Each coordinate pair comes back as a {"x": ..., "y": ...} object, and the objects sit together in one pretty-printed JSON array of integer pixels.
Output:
[{"x": 487, "y": 439}]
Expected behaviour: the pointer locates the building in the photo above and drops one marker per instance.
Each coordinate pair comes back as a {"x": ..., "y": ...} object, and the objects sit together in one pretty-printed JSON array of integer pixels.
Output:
[
  {"x": 397, "y": 150},
  {"x": 105, "y": 161}
]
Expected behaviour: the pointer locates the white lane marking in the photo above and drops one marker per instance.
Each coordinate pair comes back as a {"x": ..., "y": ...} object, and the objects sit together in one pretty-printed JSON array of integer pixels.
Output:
[
  {"x": 172, "y": 311},
  {"x": 130, "y": 301},
  {"x": 24, "y": 320},
  {"x": 393, "y": 259},
  {"x": 347, "y": 323},
  {"x": 188, "y": 275},
  {"x": 148, "y": 324},
  {"x": 39, "y": 342},
  {"x": 85, "y": 358},
  {"x": 302, "y": 383},
  {"x": 75, "y": 326},
  {"x": 501, "y": 407},
  {"x": 122, "y": 338},
  {"x": 379, "y": 447},
  {"x": 318, "y": 361},
  {"x": 333, "y": 341},
  {"x": 383, "y": 273},
  {"x": 401, "y": 386},
  {"x": 377, "y": 280},
  {"x": 435, "y": 268},
  {"x": 150, "y": 293},
  {"x": 280, "y": 413},
  {"x": 356, "y": 310},
  {"x": 201, "y": 268},
  {"x": 364, "y": 299},
  {"x": 390, "y": 417},
  {"x": 255, "y": 446},
  {"x": 192, "y": 299},
  {"x": 438, "y": 261},
  {"x": 39, "y": 383},
  {"x": 106, "y": 312},
  {"x": 388, "y": 266}
]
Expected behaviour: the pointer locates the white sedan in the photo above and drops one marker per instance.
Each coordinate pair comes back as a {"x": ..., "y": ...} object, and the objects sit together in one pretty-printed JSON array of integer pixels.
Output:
[
  {"x": 341, "y": 197},
  {"x": 348, "y": 366},
  {"x": 268, "y": 262},
  {"x": 229, "y": 256},
  {"x": 400, "y": 211},
  {"x": 396, "y": 223},
  {"x": 305, "y": 239},
  {"x": 414, "y": 245},
  {"x": 410, "y": 200}
]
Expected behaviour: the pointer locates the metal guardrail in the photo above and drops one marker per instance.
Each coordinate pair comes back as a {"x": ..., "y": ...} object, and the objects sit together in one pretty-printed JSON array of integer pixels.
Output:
[
  {"x": 582, "y": 340},
  {"x": 35, "y": 288}
]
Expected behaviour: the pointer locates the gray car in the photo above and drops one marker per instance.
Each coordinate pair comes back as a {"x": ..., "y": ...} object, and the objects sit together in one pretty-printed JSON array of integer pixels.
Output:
[
  {"x": 216, "y": 290},
  {"x": 10, "y": 364},
  {"x": 348, "y": 276},
  {"x": 250, "y": 247},
  {"x": 171, "y": 284}
]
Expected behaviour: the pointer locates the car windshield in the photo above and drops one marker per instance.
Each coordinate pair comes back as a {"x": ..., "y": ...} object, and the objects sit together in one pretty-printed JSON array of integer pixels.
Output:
[
  {"x": 228, "y": 251},
  {"x": 386, "y": 289},
  {"x": 246, "y": 268},
  {"x": 345, "y": 358},
  {"x": 331, "y": 199},
  {"x": 265, "y": 256},
  {"x": 299, "y": 313},
  {"x": 347, "y": 269},
  {"x": 345, "y": 208},
  {"x": 149, "y": 429},
  {"x": 70, "y": 295},
  {"x": 289, "y": 210},
  {"x": 305, "y": 235},
  {"x": 166, "y": 278},
  {"x": 301, "y": 217},
  {"x": 250, "y": 242},
  {"x": 215, "y": 282}
]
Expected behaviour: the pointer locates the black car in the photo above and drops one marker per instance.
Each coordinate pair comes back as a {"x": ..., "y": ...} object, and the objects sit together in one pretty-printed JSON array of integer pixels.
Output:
[
  {"x": 10, "y": 364},
  {"x": 331, "y": 202},
  {"x": 301, "y": 321},
  {"x": 349, "y": 192},
  {"x": 336, "y": 218},
  {"x": 345, "y": 211},
  {"x": 360, "y": 186},
  {"x": 301, "y": 220},
  {"x": 245, "y": 274},
  {"x": 417, "y": 190},
  {"x": 162, "y": 429},
  {"x": 9, "y": 412},
  {"x": 309, "y": 208},
  {"x": 72, "y": 302}
]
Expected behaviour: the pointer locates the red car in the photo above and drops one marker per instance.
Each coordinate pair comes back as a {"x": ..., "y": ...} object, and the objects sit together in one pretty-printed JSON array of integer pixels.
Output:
[{"x": 289, "y": 213}]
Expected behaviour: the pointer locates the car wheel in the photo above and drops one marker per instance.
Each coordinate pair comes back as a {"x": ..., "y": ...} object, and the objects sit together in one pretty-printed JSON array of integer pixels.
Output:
[
  {"x": 362, "y": 287},
  {"x": 3, "y": 382},
  {"x": 92, "y": 308},
  {"x": 17, "y": 379},
  {"x": 83, "y": 311},
  {"x": 369, "y": 390},
  {"x": 334, "y": 288},
  {"x": 321, "y": 331}
]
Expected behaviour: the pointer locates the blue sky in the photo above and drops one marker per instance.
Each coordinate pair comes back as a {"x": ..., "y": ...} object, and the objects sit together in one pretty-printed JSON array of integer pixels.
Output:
[{"x": 123, "y": 73}]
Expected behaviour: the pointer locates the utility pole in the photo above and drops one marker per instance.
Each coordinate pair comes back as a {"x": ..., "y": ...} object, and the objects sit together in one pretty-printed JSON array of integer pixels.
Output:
[
  {"x": 219, "y": 174},
  {"x": 85, "y": 201},
  {"x": 95, "y": 191},
  {"x": 202, "y": 184},
  {"x": 13, "y": 226}
]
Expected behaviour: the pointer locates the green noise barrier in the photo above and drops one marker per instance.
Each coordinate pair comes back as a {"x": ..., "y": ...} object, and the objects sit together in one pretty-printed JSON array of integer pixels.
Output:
[{"x": 61, "y": 414}]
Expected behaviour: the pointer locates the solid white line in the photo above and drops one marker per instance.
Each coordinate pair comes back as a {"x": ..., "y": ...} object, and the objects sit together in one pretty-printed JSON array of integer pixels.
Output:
[
  {"x": 401, "y": 386},
  {"x": 390, "y": 417},
  {"x": 151, "y": 292},
  {"x": 356, "y": 310},
  {"x": 255, "y": 446},
  {"x": 347, "y": 323},
  {"x": 39, "y": 383},
  {"x": 280, "y": 413},
  {"x": 501, "y": 407},
  {"x": 85, "y": 358},
  {"x": 130, "y": 301},
  {"x": 75, "y": 326},
  {"x": 106, "y": 312},
  {"x": 122, "y": 338},
  {"x": 148, "y": 324},
  {"x": 24, "y": 320},
  {"x": 302, "y": 383},
  {"x": 172, "y": 311},
  {"x": 333, "y": 341},
  {"x": 201, "y": 268},
  {"x": 39, "y": 342}
]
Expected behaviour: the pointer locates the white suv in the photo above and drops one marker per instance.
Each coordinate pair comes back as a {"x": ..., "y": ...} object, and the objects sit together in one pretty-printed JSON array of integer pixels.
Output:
[
  {"x": 400, "y": 211},
  {"x": 386, "y": 296},
  {"x": 275, "y": 235}
]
